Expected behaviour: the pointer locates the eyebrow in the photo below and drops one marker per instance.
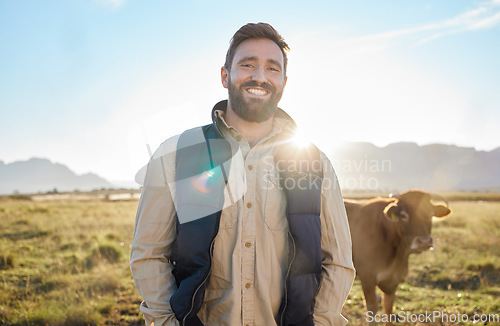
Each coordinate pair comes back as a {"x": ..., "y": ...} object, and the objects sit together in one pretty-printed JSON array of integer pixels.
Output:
[{"x": 254, "y": 58}]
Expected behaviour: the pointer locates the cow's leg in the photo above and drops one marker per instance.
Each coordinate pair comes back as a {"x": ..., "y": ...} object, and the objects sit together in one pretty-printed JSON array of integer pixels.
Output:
[
  {"x": 388, "y": 302},
  {"x": 370, "y": 297}
]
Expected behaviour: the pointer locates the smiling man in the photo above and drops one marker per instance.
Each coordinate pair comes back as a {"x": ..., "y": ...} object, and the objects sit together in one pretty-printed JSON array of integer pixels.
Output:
[
  {"x": 236, "y": 224},
  {"x": 255, "y": 79}
]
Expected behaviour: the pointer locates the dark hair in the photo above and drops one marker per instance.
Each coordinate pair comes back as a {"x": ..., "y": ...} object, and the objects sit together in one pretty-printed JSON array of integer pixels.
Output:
[{"x": 258, "y": 30}]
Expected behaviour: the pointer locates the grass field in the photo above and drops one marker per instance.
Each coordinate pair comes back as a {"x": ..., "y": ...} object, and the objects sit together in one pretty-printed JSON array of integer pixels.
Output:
[{"x": 66, "y": 263}]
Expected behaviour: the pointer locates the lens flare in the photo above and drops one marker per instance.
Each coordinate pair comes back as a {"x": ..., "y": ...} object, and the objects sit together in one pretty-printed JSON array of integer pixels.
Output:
[{"x": 203, "y": 182}]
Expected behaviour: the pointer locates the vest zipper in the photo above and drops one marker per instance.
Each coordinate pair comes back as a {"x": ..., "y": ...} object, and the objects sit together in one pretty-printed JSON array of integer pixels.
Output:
[
  {"x": 286, "y": 278},
  {"x": 201, "y": 284}
]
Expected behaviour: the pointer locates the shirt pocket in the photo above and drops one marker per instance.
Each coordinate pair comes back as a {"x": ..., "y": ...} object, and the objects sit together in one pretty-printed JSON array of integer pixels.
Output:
[{"x": 274, "y": 204}]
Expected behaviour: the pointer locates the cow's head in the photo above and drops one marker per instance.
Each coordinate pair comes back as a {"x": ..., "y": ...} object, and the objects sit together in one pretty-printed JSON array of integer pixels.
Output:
[{"x": 412, "y": 213}]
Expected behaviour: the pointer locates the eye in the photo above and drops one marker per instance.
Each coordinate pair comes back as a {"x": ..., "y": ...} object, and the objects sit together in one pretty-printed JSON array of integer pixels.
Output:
[
  {"x": 274, "y": 69},
  {"x": 247, "y": 65}
]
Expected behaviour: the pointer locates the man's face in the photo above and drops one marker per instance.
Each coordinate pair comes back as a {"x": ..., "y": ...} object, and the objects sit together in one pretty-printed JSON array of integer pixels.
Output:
[{"x": 256, "y": 80}]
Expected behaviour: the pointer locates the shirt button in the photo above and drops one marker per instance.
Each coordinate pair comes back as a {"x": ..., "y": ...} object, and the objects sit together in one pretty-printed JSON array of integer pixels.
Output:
[
  {"x": 247, "y": 285},
  {"x": 238, "y": 138},
  {"x": 250, "y": 167},
  {"x": 249, "y": 205},
  {"x": 248, "y": 244}
]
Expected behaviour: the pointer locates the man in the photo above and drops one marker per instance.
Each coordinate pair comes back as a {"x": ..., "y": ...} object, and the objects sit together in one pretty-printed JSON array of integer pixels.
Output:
[{"x": 236, "y": 225}]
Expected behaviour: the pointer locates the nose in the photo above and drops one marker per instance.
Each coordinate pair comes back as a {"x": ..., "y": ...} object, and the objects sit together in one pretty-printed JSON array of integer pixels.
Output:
[
  {"x": 424, "y": 242},
  {"x": 259, "y": 75}
]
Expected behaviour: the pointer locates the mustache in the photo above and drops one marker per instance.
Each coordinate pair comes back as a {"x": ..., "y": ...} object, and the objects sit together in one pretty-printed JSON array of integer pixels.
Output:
[{"x": 253, "y": 83}]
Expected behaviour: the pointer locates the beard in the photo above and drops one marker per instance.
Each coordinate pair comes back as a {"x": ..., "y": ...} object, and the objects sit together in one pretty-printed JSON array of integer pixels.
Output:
[{"x": 254, "y": 109}]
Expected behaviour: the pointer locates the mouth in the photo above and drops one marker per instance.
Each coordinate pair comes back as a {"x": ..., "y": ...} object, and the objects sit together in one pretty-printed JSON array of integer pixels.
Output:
[
  {"x": 257, "y": 91},
  {"x": 421, "y": 248}
]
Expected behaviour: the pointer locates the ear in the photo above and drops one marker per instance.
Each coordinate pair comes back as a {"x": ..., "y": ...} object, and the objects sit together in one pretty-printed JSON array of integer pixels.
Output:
[
  {"x": 224, "y": 76},
  {"x": 441, "y": 211},
  {"x": 395, "y": 212}
]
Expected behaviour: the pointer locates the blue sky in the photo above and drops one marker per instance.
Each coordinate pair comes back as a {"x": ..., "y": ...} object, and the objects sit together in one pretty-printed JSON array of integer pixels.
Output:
[{"x": 91, "y": 83}]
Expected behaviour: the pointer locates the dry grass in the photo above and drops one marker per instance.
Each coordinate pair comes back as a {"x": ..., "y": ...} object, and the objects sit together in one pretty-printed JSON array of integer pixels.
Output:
[{"x": 66, "y": 263}]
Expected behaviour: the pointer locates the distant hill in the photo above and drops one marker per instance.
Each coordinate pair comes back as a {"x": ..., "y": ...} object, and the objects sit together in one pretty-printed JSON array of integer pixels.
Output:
[
  {"x": 402, "y": 166},
  {"x": 360, "y": 166},
  {"x": 41, "y": 175}
]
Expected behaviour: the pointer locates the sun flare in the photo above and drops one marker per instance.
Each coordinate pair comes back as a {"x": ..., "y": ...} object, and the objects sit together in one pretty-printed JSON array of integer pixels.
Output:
[{"x": 300, "y": 139}]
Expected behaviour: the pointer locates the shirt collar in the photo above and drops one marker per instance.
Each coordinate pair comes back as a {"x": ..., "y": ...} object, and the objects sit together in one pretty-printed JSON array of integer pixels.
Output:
[{"x": 281, "y": 120}]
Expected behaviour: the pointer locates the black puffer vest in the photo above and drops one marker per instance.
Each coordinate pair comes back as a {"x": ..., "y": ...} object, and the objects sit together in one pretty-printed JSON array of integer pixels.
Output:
[{"x": 203, "y": 161}]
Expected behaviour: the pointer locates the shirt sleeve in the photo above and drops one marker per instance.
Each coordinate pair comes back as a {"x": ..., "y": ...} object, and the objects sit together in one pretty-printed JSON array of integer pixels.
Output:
[
  {"x": 337, "y": 267},
  {"x": 154, "y": 235}
]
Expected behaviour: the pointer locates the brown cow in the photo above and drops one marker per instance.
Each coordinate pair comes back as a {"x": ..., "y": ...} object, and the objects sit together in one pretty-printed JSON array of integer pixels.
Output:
[{"x": 385, "y": 231}]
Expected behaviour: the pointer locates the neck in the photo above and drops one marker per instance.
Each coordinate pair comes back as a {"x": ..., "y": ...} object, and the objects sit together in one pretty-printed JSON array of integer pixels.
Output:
[{"x": 252, "y": 131}]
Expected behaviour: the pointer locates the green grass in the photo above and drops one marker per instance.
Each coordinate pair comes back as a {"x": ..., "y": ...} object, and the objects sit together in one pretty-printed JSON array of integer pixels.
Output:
[{"x": 66, "y": 263}]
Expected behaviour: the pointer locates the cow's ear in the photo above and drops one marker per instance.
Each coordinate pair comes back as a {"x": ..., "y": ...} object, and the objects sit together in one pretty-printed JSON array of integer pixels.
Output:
[
  {"x": 441, "y": 211},
  {"x": 394, "y": 212}
]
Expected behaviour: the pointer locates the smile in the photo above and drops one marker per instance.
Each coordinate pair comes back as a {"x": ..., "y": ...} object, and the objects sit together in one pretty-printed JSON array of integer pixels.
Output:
[{"x": 257, "y": 91}]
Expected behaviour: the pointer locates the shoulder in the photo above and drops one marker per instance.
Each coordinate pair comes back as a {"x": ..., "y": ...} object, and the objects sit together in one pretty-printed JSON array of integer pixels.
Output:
[
  {"x": 167, "y": 148},
  {"x": 188, "y": 138},
  {"x": 161, "y": 165}
]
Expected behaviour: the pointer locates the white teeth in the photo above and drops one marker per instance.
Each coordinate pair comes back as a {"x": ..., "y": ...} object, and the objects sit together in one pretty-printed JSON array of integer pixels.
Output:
[{"x": 257, "y": 91}]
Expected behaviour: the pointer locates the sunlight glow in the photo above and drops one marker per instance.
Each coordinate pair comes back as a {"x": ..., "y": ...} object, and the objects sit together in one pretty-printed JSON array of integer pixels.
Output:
[
  {"x": 300, "y": 139},
  {"x": 358, "y": 94}
]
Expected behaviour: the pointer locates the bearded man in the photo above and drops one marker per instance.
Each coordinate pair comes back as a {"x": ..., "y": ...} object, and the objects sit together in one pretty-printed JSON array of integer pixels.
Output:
[{"x": 236, "y": 225}]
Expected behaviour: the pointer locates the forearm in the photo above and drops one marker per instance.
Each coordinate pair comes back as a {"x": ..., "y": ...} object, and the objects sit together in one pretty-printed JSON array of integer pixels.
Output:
[
  {"x": 156, "y": 285},
  {"x": 337, "y": 267},
  {"x": 154, "y": 235},
  {"x": 335, "y": 285}
]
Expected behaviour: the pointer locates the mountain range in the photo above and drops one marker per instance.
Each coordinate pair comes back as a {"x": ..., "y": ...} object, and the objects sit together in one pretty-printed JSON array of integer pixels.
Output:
[
  {"x": 401, "y": 166},
  {"x": 359, "y": 166},
  {"x": 41, "y": 175}
]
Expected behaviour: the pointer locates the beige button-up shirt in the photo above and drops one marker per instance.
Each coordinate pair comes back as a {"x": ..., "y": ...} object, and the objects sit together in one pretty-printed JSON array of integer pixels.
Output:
[{"x": 250, "y": 258}]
